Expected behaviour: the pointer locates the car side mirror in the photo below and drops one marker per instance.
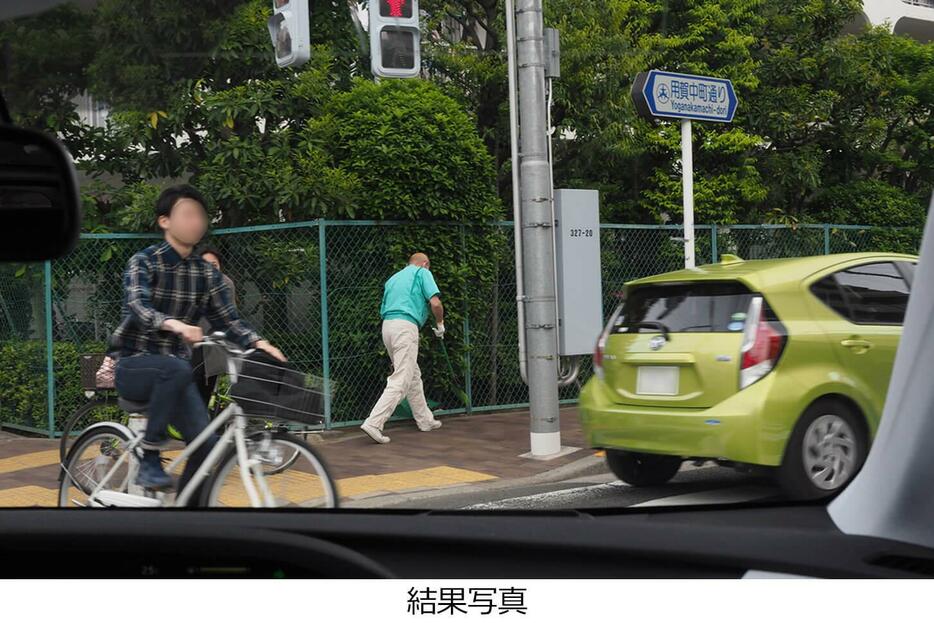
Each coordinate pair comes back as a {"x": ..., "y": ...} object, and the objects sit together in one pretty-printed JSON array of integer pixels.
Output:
[{"x": 40, "y": 208}]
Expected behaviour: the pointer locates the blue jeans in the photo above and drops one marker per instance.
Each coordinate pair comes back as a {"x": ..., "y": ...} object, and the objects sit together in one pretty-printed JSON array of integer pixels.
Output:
[{"x": 167, "y": 384}]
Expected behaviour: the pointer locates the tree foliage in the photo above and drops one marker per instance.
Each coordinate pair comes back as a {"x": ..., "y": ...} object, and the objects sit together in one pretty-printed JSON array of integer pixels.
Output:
[{"x": 194, "y": 94}]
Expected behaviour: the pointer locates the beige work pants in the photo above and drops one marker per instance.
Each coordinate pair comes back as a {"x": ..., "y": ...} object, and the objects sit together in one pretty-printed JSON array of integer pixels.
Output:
[{"x": 401, "y": 340}]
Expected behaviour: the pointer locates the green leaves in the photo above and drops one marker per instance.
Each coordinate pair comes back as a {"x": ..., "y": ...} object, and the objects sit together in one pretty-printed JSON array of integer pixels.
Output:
[
  {"x": 154, "y": 117},
  {"x": 193, "y": 93},
  {"x": 413, "y": 152},
  {"x": 817, "y": 108}
]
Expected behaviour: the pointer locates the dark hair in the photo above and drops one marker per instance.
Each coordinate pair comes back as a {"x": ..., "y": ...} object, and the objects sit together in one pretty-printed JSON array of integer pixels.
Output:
[
  {"x": 213, "y": 251},
  {"x": 170, "y": 196}
]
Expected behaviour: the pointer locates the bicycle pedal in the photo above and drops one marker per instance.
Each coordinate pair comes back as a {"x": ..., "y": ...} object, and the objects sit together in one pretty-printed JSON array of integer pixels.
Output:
[{"x": 151, "y": 492}]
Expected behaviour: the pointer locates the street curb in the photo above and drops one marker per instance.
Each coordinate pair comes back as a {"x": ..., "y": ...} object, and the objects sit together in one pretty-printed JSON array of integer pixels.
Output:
[
  {"x": 341, "y": 434},
  {"x": 564, "y": 472}
]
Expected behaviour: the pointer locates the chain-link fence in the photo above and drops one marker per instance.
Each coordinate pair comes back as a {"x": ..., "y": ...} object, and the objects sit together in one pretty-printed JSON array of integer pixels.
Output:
[{"x": 314, "y": 290}]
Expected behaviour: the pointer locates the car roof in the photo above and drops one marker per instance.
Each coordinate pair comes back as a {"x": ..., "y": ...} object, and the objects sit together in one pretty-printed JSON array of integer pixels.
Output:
[{"x": 762, "y": 273}]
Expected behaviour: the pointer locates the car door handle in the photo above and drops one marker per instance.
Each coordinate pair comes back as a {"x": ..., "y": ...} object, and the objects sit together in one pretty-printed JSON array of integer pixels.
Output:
[{"x": 856, "y": 345}]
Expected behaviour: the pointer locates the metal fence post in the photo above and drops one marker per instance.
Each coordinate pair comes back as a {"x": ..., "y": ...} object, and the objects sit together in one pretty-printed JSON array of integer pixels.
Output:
[
  {"x": 325, "y": 347},
  {"x": 713, "y": 243},
  {"x": 468, "y": 382},
  {"x": 49, "y": 362},
  {"x": 826, "y": 239}
]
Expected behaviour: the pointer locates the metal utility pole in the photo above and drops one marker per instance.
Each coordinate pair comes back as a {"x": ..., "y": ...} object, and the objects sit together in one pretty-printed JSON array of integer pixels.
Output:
[
  {"x": 687, "y": 184},
  {"x": 535, "y": 225}
]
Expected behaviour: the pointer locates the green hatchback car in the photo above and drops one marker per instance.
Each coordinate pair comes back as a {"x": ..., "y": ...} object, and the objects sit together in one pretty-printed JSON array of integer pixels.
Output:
[{"x": 777, "y": 363}]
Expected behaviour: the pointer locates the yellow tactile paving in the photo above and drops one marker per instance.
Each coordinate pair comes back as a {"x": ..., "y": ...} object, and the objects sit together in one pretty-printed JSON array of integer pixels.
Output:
[
  {"x": 29, "y": 496},
  {"x": 299, "y": 488},
  {"x": 293, "y": 485},
  {"x": 304, "y": 489},
  {"x": 49, "y": 457},
  {"x": 28, "y": 461}
]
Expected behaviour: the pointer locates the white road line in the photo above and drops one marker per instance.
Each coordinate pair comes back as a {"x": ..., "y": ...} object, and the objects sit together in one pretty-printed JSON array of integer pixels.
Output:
[
  {"x": 712, "y": 496},
  {"x": 724, "y": 495},
  {"x": 535, "y": 499}
]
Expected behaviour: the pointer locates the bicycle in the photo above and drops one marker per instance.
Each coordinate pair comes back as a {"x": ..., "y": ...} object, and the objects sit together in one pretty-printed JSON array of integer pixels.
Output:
[
  {"x": 105, "y": 398},
  {"x": 101, "y": 466}
]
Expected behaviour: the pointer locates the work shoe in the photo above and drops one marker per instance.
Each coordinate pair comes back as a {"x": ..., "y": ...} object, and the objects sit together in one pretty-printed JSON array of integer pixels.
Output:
[
  {"x": 374, "y": 433},
  {"x": 151, "y": 475},
  {"x": 433, "y": 425}
]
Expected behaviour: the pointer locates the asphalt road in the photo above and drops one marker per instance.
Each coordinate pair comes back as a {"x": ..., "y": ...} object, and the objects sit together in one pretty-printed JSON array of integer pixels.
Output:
[{"x": 597, "y": 488}]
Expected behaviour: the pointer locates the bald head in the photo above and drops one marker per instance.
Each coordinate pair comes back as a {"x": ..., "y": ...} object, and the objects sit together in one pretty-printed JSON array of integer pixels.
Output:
[{"x": 420, "y": 259}]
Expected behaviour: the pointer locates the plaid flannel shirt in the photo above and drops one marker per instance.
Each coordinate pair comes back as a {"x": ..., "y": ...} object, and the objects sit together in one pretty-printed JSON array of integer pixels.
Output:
[{"x": 159, "y": 285}]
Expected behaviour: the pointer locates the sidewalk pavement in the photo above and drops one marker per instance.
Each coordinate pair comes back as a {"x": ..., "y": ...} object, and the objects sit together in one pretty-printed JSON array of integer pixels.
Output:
[{"x": 466, "y": 450}]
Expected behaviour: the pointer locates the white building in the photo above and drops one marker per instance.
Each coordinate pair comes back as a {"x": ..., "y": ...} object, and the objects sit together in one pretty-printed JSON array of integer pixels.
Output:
[
  {"x": 913, "y": 18},
  {"x": 91, "y": 111}
]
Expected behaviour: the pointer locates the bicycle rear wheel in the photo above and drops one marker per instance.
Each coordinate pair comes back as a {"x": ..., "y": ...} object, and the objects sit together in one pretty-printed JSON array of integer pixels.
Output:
[
  {"x": 101, "y": 408},
  {"x": 90, "y": 458},
  {"x": 305, "y": 483}
]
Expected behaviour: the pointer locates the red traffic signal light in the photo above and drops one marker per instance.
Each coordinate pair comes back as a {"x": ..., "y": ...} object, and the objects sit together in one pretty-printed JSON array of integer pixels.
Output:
[{"x": 395, "y": 8}]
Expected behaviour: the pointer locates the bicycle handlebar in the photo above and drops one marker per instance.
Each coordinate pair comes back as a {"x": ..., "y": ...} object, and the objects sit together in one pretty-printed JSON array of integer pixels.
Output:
[{"x": 218, "y": 338}]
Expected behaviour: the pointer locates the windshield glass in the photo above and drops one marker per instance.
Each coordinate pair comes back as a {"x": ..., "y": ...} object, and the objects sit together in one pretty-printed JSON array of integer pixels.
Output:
[
  {"x": 345, "y": 241},
  {"x": 683, "y": 308}
]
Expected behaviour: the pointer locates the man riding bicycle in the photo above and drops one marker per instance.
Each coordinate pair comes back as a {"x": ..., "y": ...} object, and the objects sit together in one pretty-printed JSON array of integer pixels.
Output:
[{"x": 167, "y": 291}]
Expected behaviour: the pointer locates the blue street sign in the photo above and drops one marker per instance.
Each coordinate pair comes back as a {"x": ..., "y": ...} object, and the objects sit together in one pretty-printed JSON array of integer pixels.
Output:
[{"x": 683, "y": 96}]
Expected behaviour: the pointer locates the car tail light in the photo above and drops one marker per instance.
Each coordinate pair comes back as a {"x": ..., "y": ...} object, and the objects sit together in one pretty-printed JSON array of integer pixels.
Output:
[
  {"x": 598, "y": 356},
  {"x": 763, "y": 341},
  {"x": 601, "y": 342}
]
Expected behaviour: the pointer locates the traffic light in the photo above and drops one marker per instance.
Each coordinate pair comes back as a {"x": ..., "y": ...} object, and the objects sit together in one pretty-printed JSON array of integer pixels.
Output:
[
  {"x": 290, "y": 32},
  {"x": 395, "y": 48}
]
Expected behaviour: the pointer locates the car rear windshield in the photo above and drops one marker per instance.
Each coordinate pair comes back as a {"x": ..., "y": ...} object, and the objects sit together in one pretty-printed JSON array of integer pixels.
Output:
[{"x": 716, "y": 307}]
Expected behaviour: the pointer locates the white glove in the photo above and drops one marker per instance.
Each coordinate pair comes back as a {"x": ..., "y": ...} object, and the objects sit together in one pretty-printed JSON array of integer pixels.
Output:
[{"x": 439, "y": 331}]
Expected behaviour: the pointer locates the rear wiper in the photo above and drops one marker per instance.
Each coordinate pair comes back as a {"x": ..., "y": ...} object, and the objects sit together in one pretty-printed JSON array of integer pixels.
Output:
[
  {"x": 666, "y": 333},
  {"x": 696, "y": 326}
]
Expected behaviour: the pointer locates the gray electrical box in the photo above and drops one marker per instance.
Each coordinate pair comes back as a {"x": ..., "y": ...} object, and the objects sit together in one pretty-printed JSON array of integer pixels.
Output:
[
  {"x": 580, "y": 290},
  {"x": 552, "y": 41}
]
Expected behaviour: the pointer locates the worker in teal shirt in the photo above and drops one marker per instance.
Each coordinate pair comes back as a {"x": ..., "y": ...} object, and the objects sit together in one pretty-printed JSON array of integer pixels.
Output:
[{"x": 407, "y": 298}]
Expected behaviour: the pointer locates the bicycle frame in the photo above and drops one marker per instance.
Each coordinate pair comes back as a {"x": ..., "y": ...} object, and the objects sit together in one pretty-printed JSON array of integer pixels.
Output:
[{"x": 235, "y": 434}]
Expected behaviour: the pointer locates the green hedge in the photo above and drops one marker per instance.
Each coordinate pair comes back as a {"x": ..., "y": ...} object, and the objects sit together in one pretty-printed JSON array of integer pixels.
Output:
[{"x": 23, "y": 381}]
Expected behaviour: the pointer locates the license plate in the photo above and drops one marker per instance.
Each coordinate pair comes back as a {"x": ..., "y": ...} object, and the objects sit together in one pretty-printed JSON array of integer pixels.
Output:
[{"x": 657, "y": 380}]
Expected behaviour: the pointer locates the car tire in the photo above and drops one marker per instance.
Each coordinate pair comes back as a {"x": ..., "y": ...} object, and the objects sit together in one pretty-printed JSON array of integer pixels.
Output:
[
  {"x": 642, "y": 470},
  {"x": 829, "y": 442}
]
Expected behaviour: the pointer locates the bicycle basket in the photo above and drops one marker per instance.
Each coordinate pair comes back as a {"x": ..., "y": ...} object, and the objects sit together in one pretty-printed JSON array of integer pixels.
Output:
[
  {"x": 269, "y": 388},
  {"x": 89, "y": 363}
]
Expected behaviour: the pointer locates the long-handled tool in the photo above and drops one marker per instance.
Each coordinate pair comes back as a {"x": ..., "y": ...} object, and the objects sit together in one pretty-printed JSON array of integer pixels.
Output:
[{"x": 444, "y": 353}]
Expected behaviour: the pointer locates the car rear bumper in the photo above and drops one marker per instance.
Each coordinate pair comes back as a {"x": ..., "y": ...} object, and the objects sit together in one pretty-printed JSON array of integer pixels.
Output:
[{"x": 730, "y": 430}]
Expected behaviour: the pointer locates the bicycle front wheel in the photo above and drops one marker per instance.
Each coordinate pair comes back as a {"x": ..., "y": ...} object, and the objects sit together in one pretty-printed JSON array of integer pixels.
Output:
[
  {"x": 304, "y": 483},
  {"x": 89, "y": 460}
]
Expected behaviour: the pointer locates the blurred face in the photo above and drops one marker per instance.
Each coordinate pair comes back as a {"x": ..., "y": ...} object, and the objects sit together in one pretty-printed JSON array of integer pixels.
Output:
[
  {"x": 212, "y": 259},
  {"x": 187, "y": 222}
]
